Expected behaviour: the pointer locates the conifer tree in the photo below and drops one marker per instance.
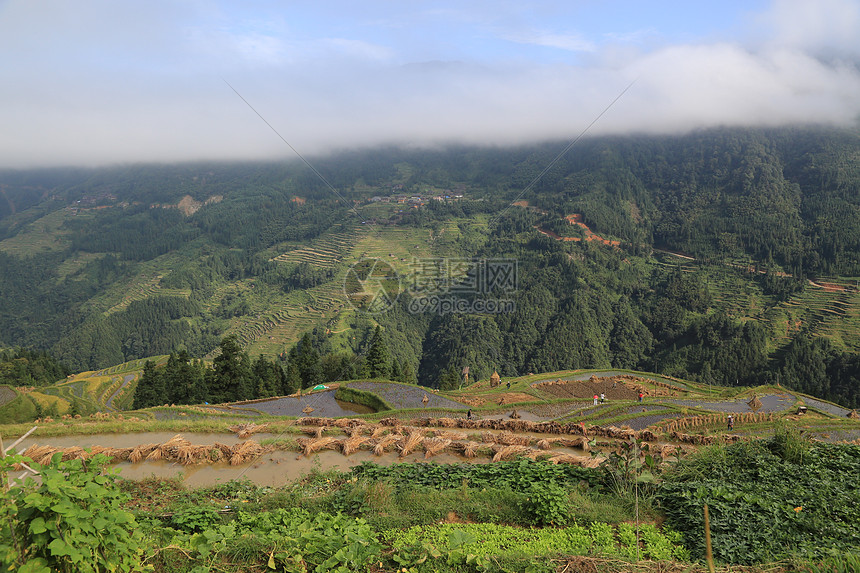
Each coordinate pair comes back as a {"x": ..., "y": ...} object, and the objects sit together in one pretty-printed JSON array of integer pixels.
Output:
[{"x": 378, "y": 361}]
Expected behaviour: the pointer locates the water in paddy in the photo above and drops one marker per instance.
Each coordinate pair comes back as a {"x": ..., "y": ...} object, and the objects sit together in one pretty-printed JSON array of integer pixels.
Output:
[{"x": 272, "y": 469}]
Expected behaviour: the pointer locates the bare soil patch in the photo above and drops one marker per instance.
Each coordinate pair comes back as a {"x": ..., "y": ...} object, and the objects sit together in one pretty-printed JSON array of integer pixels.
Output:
[{"x": 613, "y": 388}]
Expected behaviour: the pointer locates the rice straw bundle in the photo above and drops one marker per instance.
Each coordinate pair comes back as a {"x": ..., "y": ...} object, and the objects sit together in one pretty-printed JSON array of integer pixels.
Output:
[
  {"x": 433, "y": 446},
  {"x": 546, "y": 443},
  {"x": 154, "y": 455},
  {"x": 185, "y": 454},
  {"x": 312, "y": 431},
  {"x": 352, "y": 444},
  {"x": 307, "y": 410},
  {"x": 449, "y": 435},
  {"x": 352, "y": 431},
  {"x": 117, "y": 454},
  {"x": 583, "y": 461},
  {"x": 447, "y": 422},
  {"x": 509, "y": 439},
  {"x": 214, "y": 454},
  {"x": 245, "y": 452},
  {"x": 470, "y": 449},
  {"x": 379, "y": 447},
  {"x": 411, "y": 442},
  {"x": 38, "y": 453},
  {"x": 377, "y": 431},
  {"x": 507, "y": 452},
  {"x": 488, "y": 437},
  {"x": 533, "y": 454},
  {"x": 312, "y": 445},
  {"x": 138, "y": 453},
  {"x": 248, "y": 429},
  {"x": 72, "y": 453}
]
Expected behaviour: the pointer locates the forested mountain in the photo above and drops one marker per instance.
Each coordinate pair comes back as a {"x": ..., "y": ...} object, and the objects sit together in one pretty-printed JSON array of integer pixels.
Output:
[{"x": 727, "y": 256}]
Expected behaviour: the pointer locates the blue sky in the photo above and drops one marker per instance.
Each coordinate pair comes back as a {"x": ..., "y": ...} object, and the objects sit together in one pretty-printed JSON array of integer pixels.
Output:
[{"x": 97, "y": 82}]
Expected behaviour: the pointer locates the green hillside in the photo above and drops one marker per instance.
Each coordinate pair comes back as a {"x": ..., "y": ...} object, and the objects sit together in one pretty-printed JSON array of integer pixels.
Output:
[{"x": 722, "y": 256}]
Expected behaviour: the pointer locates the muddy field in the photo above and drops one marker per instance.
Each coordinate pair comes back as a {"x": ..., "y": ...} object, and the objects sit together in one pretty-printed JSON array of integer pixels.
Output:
[
  {"x": 403, "y": 396},
  {"x": 586, "y": 389}
]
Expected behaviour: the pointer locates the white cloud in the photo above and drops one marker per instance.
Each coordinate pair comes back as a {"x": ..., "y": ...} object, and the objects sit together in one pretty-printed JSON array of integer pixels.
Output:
[
  {"x": 830, "y": 26},
  {"x": 359, "y": 49},
  {"x": 99, "y": 82},
  {"x": 569, "y": 42}
]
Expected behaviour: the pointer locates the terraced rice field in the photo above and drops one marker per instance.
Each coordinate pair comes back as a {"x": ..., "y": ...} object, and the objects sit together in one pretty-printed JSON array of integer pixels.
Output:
[
  {"x": 323, "y": 403},
  {"x": 610, "y": 373},
  {"x": 142, "y": 287},
  {"x": 326, "y": 251},
  {"x": 770, "y": 403},
  {"x": 832, "y": 409},
  {"x": 41, "y": 236},
  {"x": 270, "y": 333},
  {"x": 406, "y": 396},
  {"x": 6, "y": 395}
]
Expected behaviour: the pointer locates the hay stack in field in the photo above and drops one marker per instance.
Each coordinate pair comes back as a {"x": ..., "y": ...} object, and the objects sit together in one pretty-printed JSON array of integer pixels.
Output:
[
  {"x": 853, "y": 415},
  {"x": 508, "y": 452},
  {"x": 384, "y": 442},
  {"x": 582, "y": 461},
  {"x": 352, "y": 444},
  {"x": 534, "y": 454},
  {"x": 577, "y": 442},
  {"x": 311, "y": 445},
  {"x": 314, "y": 431},
  {"x": 138, "y": 453},
  {"x": 408, "y": 444},
  {"x": 517, "y": 425},
  {"x": 755, "y": 403},
  {"x": 247, "y": 430},
  {"x": 378, "y": 430},
  {"x": 449, "y": 435},
  {"x": 115, "y": 454},
  {"x": 546, "y": 443},
  {"x": 470, "y": 449},
  {"x": 73, "y": 453},
  {"x": 313, "y": 422},
  {"x": 40, "y": 454},
  {"x": 245, "y": 452},
  {"x": 225, "y": 451},
  {"x": 307, "y": 410},
  {"x": 191, "y": 454},
  {"x": 433, "y": 446},
  {"x": 170, "y": 449},
  {"x": 214, "y": 453},
  {"x": 667, "y": 451},
  {"x": 510, "y": 439},
  {"x": 447, "y": 422}
]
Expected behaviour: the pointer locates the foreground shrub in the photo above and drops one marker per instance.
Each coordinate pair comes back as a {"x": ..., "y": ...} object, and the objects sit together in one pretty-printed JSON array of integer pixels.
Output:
[
  {"x": 768, "y": 500},
  {"x": 69, "y": 521}
]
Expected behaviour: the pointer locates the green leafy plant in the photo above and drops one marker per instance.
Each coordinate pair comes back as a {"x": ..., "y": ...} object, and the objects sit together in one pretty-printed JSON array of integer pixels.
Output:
[
  {"x": 71, "y": 520},
  {"x": 195, "y": 518},
  {"x": 547, "y": 504}
]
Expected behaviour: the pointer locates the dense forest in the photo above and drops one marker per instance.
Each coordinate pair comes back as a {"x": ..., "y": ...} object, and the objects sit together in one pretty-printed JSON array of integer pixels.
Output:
[{"x": 716, "y": 238}]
